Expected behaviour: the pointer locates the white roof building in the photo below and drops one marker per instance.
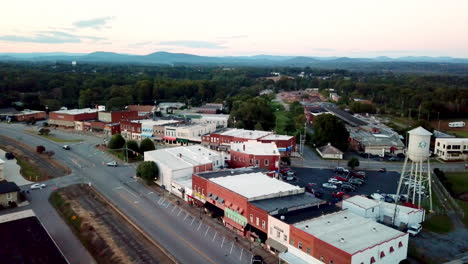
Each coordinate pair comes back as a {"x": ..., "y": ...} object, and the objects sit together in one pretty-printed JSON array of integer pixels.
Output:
[
  {"x": 255, "y": 148},
  {"x": 257, "y": 186},
  {"x": 76, "y": 111},
  {"x": 246, "y": 134},
  {"x": 451, "y": 148},
  {"x": 277, "y": 137}
]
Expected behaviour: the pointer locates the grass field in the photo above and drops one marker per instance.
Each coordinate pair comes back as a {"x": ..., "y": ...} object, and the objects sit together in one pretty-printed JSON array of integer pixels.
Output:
[
  {"x": 28, "y": 171},
  {"x": 438, "y": 224},
  {"x": 54, "y": 138},
  {"x": 459, "y": 133},
  {"x": 281, "y": 121},
  {"x": 459, "y": 181}
]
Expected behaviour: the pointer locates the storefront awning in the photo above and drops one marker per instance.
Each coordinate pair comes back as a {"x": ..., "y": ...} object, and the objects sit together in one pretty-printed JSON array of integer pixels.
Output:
[
  {"x": 290, "y": 258},
  {"x": 183, "y": 140},
  {"x": 169, "y": 138},
  {"x": 276, "y": 245}
]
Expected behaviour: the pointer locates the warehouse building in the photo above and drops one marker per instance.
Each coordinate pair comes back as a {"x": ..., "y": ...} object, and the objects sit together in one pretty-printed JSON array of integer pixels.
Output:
[
  {"x": 67, "y": 118},
  {"x": 451, "y": 149}
]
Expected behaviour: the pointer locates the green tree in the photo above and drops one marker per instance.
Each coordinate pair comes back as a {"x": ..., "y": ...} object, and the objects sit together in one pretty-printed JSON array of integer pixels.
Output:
[
  {"x": 146, "y": 145},
  {"x": 329, "y": 129},
  {"x": 44, "y": 131},
  {"x": 148, "y": 171},
  {"x": 116, "y": 142},
  {"x": 133, "y": 148},
  {"x": 258, "y": 126},
  {"x": 353, "y": 162},
  {"x": 85, "y": 98}
]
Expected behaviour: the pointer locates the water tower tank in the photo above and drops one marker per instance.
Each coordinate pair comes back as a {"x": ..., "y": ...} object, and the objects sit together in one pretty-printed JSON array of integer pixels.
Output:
[{"x": 418, "y": 144}]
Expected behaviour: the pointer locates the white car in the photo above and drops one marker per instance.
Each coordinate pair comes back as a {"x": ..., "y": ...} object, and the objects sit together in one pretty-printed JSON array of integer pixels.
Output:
[
  {"x": 37, "y": 186},
  {"x": 377, "y": 196},
  {"x": 335, "y": 181},
  {"x": 112, "y": 164},
  {"x": 329, "y": 186}
]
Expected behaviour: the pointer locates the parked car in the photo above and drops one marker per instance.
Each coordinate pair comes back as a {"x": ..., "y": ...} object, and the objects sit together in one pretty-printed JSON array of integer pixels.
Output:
[
  {"x": 37, "y": 186},
  {"x": 318, "y": 194},
  {"x": 358, "y": 174},
  {"x": 66, "y": 147},
  {"x": 393, "y": 159},
  {"x": 347, "y": 187},
  {"x": 257, "y": 259},
  {"x": 377, "y": 196},
  {"x": 334, "y": 181},
  {"x": 112, "y": 164},
  {"x": 339, "y": 169},
  {"x": 382, "y": 170},
  {"x": 340, "y": 178},
  {"x": 290, "y": 173},
  {"x": 289, "y": 178},
  {"x": 356, "y": 181},
  {"x": 338, "y": 194},
  {"x": 329, "y": 186},
  {"x": 413, "y": 230},
  {"x": 9, "y": 156},
  {"x": 284, "y": 170},
  {"x": 389, "y": 199}
]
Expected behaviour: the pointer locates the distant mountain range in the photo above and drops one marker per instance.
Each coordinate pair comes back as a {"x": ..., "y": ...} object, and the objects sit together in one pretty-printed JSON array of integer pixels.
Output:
[{"x": 167, "y": 58}]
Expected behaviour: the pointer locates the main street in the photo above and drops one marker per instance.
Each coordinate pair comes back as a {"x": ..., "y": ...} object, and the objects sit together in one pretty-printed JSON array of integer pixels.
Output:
[{"x": 187, "y": 238}]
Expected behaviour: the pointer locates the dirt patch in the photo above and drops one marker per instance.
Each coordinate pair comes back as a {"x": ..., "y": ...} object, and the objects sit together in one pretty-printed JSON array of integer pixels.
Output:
[
  {"x": 46, "y": 167},
  {"x": 106, "y": 235},
  {"x": 445, "y": 127}
]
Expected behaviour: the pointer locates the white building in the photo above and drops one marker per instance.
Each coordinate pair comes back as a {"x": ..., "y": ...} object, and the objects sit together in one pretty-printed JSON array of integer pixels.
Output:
[
  {"x": 451, "y": 148},
  {"x": 221, "y": 121},
  {"x": 352, "y": 239},
  {"x": 329, "y": 152},
  {"x": 184, "y": 134},
  {"x": 384, "y": 212},
  {"x": 176, "y": 166},
  {"x": 2, "y": 168}
]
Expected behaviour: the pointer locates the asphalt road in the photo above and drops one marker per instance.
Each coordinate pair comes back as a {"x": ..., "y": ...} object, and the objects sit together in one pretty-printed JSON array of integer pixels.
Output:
[{"x": 187, "y": 238}]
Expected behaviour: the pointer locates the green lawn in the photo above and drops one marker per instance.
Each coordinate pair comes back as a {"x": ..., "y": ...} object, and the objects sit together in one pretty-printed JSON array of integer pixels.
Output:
[
  {"x": 464, "y": 207},
  {"x": 28, "y": 171},
  {"x": 458, "y": 133},
  {"x": 120, "y": 154},
  {"x": 438, "y": 224},
  {"x": 282, "y": 119},
  {"x": 459, "y": 181},
  {"x": 54, "y": 138}
]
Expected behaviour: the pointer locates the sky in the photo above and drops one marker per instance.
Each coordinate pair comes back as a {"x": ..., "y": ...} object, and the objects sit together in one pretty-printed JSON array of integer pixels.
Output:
[{"x": 352, "y": 28}]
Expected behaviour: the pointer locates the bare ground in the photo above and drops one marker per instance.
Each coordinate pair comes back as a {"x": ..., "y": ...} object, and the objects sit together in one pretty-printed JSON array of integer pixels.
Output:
[{"x": 109, "y": 237}]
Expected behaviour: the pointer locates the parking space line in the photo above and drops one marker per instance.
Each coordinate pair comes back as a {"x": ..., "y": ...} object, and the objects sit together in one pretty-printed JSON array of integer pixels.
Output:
[
  {"x": 150, "y": 193},
  {"x": 199, "y": 225},
  {"x": 168, "y": 203},
  {"x": 232, "y": 246},
  {"x": 222, "y": 243},
  {"x": 186, "y": 216},
  {"x": 242, "y": 252},
  {"x": 207, "y": 230},
  {"x": 214, "y": 237},
  {"x": 192, "y": 221},
  {"x": 179, "y": 212},
  {"x": 173, "y": 209}
]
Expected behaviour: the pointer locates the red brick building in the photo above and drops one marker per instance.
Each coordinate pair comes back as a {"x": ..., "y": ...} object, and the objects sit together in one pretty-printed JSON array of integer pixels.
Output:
[
  {"x": 222, "y": 140},
  {"x": 144, "y": 111},
  {"x": 117, "y": 116},
  {"x": 254, "y": 153},
  {"x": 111, "y": 129},
  {"x": 67, "y": 118}
]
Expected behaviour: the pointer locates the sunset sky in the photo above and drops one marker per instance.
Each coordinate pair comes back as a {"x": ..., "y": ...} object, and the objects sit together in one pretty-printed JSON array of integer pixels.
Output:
[{"x": 353, "y": 28}]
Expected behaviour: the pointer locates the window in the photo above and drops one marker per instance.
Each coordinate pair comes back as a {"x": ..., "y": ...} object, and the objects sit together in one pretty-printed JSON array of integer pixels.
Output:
[
  {"x": 438, "y": 144},
  {"x": 400, "y": 244},
  {"x": 235, "y": 158},
  {"x": 278, "y": 234},
  {"x": 391, "y": 249},
  {"x": 198, "y": 189},
  {"x": 9, "y": 196},
  {"x": 285, "y": 237},
  {"x": 251, "y": 218},
  {"x": 291, "y": 242},
  {"x": 197, "y": 170},
  {"x": 264, "y": 224},
  {"x": 372, "y": 260},
  {"x": 203, "y": 192},
  {"x": 266, "y": 162},
  {"x": 299, "y": 245},
  {"x": 382, "y": 254},
  {"x": 257, "y": 162},
  {"x": 322, "y": 259},
  {"x": 257, "y": 222},
  {"x": 251, "y": 161},
  {"x": 308, "y": 250}
]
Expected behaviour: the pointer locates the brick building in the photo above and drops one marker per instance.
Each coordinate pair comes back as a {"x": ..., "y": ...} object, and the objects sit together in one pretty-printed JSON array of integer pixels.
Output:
[
  {"x": 117, "y": 116},
  {"x": 254, "y": 153},
  {"x": 67, "y": 118},
  {"x": 144, "y": 111},
  {"x": 139, "y": 129},
  {"x": 20, "y": 116}
]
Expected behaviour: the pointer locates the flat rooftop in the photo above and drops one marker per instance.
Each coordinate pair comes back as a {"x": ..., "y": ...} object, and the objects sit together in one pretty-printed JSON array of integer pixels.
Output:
[
  {"x": 348, "y": 232},
  {"x": 256, "y": 186},
  {"x": 76, "y": 111},
  {"x": 345, "y": 116},
  {"x": 247, "y": 134},
  {"x": 183, "y": 157},
  {"x": 232, "y": 172},
  {"x": 284, "y": 204},
  {"x": 24, "y": 240},
  {"x": 255, "y": 148},
  {"x": 362, "y": 201},
  {"x": 155, "y": 122},
  {"x": 277, "y": 137},
  {"x": 308, "y": 213}
]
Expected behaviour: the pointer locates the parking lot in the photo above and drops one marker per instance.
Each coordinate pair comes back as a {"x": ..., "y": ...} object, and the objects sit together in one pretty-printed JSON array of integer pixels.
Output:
[{"x": 381, "y": 182}]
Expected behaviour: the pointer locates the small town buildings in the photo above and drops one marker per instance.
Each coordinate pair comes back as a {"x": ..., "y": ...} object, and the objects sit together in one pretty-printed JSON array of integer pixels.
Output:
[
  {"x": 222, "y": 139},
  {"x": 383, "y": 212},
  {"x": 11, "y": 114},
  {"x": 117, "y": 116},
  {"x": 184, "y": 134},
  {"x": 145, "y": 128},
  {"x": 374, "y": 141},
  {"x": 329, "y": 152},
  {"x": 210, "y": 108},
  {"x": 220, "y": 120},
  {"x": 67, "y": 118},
  {"x": 9, "y": 193},
  {"x": 254, "y": 153},
  {"x": 345, "y": 116},
  {"x": 169, "y": 106},
  {"x": 111, "y": 129},
  {"x": 334, "y": 97},
  {"x": 176, "y": 166},
  {"x": 451, "y": 149},
  {"x": 144, "y": 111}
]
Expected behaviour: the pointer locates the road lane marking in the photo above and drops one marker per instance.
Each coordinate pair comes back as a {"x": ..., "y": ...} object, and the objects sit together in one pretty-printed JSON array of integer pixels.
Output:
[
  {"x": 230, "y": 252},
  {"x": 117, "y": 188},
  {"x": 242, "y": 252},
  {"x": 207, "y": 230},
  {"x": 214, "y": 237},
  {"x": 222, "y": 243},
  {"x": 136, "y": 196},
  {"x": 199, "y": 225},
  {"x": 160, "y": 199},
  {"x": 150, "y": 193}
]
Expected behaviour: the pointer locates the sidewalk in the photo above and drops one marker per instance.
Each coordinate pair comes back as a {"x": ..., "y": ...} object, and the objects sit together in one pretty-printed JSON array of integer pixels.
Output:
[{"x": 220, "y": 228}]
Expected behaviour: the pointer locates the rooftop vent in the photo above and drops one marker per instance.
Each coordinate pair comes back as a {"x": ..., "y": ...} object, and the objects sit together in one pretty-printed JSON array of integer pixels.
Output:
[
  {"x": 342, "y": 240},
  {"x": 374, "y": 229},
  {"x": 328, "y": 222},
  {"x": 306, "y": 227},
  {"x": 346, "y": 218},
  {"x": 282, "y": 217}
]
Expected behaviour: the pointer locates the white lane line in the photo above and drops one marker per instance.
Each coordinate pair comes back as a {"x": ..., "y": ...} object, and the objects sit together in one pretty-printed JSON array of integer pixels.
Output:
[
  {"x": 186, "y": 217},
  {"x": 222, "y": 243},
  {"x": 179, "y": 212},
  {"x": 192, "y": 221},
  {"x": 168, "y": 203},
  {"x": 207, "y": 231},
  {"x": 251, "y": 259},
  {"x": 230, "y": 252},
  {"x": 160, "y": 199},
  {"x": 214, "y": 237},
  {"x": 199, "y": 226},
  {"x": 242, "y": 252},
  {"x": 150, "y": 193},
  {"x": 173, "y": 209},
  {"x": 117, "y": 188},
  {"x": 136, "y": 196}
]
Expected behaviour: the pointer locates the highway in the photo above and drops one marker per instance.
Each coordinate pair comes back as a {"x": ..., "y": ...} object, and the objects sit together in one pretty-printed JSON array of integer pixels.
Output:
[{"x": 187, "y": 238}]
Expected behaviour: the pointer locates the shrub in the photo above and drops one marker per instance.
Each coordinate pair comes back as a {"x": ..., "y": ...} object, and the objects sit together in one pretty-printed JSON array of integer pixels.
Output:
[
  {"x": 116, "y": 142},
  {"x": 146, "y": 145}
]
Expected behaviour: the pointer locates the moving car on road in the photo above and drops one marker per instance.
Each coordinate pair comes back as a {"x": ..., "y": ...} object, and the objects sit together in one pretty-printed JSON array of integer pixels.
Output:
[
  {"x": 329, "y": 186},
  {"x": 66, "y": 147},
  {"x": 112, "y": 164},
  {"x": 37, "y": 186}
]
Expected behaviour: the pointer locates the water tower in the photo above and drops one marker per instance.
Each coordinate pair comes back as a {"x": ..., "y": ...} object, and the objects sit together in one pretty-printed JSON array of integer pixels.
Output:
[{"x": 415, "y": 179}]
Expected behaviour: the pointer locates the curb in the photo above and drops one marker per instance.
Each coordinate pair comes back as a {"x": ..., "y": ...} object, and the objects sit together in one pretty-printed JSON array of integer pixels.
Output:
[{"x": 169, "y": 255}]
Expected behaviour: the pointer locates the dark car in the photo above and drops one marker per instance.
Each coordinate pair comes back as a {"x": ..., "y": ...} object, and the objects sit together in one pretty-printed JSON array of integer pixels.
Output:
[
  {"x": 383, "y": 170},
  {"x": 356, "y": 181},
  {"x": 9, "y": 156},
  {"x": 347, "y": 187},
  {"x": 257, "y": 259},
  {"x": 389, "y": 199}
]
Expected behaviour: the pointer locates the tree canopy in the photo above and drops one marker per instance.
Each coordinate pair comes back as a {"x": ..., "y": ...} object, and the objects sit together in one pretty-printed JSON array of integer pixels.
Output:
[
  {"x": 353, "y": 162},
  {"x": 330, "y": 129},
  {"x": 146, "y": 145},
  {"x": 116, "y": 142},
  {"x": 133, "y": 148},
  {"x": 148, "y": 171}
]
